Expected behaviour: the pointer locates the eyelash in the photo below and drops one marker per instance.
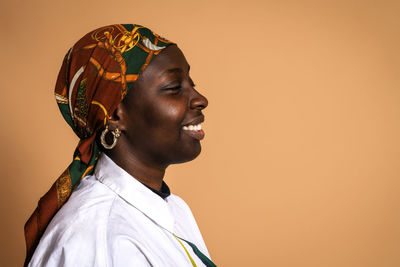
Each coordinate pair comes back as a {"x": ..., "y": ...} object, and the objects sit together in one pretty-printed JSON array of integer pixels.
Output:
[{"x": 175, "y": 88}]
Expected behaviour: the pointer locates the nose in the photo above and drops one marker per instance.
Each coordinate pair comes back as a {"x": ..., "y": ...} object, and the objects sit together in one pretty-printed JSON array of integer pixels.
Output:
[{"x": 198, "y": 101}]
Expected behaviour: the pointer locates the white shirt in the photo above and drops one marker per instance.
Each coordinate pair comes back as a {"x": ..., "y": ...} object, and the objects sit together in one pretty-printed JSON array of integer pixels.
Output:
[{"x": 111, "y": 219}]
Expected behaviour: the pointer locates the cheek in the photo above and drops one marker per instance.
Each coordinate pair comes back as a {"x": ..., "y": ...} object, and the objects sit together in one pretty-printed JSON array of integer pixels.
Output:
[
  {"x": 166, "y": 118},
  {"x": 174, "y": 113}
]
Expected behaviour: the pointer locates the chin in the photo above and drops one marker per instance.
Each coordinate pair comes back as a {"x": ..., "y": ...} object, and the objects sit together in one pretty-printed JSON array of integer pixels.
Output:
[{"x": 187, "y": 154}]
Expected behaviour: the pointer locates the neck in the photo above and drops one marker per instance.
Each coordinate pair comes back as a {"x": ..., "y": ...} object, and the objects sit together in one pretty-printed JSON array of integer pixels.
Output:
[{"x": 146, "y": 172}]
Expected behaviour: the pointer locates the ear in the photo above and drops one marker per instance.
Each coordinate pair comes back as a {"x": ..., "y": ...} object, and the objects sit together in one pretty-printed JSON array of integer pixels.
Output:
[{"x": 119, "y": 118}]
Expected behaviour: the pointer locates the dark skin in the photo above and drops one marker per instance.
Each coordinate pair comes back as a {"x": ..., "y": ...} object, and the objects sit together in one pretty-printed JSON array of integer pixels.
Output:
[{"x": 152, "y": 116}]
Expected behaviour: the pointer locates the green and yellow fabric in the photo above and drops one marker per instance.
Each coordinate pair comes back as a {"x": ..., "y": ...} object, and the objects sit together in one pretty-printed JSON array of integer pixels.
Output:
[{"x": 95, "y": 76}]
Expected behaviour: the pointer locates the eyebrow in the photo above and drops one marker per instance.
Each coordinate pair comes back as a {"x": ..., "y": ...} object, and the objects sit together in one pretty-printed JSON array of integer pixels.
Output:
[{"x": 173, "y": 70}]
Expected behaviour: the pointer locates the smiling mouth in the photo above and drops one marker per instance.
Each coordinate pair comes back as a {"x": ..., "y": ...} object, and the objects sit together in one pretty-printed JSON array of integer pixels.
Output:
[
  {"x": 194, "y": 131},
  {"x": 192, "y": 127}
]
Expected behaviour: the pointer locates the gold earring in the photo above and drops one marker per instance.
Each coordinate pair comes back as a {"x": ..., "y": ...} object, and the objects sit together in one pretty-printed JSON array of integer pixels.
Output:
[{"x": 116, "y": 134}]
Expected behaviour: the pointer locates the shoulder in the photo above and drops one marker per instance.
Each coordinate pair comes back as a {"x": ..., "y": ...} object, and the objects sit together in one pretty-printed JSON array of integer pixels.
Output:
[
  {"x": 181, "y": 211},
  {"x": 179, "y": 206},
  {"x": 88, "y": 206},
  {"x": 177, "y": 201},
  {"x": 186, "y": 225},
  {"x": 88, "y": 231},
  {"x": 77, "y": 231}
]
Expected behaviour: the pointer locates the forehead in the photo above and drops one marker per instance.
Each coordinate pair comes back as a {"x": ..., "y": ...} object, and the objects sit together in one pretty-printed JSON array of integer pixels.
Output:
[
  {"x": 166, "y": 65},
  {"x": 171, "y": 58}
]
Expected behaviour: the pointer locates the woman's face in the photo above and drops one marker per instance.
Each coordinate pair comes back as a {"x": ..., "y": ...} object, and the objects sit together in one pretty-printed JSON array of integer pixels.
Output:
[{"x": 161, "y": 108}]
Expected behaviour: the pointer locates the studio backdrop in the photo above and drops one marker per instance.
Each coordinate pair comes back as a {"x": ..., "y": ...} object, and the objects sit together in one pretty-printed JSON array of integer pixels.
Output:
[{"x": 301, "y": 160}]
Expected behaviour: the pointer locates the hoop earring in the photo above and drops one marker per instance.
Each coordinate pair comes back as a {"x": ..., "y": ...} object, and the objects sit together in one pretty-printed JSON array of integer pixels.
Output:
[{"x": 116, "y": 134}]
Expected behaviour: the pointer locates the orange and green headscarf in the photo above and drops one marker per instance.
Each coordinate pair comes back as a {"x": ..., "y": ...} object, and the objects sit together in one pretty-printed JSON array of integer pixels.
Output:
[{"x": 95, "y": 76}]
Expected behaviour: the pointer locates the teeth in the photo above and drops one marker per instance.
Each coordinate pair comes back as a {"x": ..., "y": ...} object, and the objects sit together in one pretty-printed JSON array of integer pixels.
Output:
[{"x": 192, "y": 127}]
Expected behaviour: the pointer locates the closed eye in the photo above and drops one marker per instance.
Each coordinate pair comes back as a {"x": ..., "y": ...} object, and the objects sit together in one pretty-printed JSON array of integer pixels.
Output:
[
  {"x": 172, "y": 90},
  {"x": 175, "y": 88}
]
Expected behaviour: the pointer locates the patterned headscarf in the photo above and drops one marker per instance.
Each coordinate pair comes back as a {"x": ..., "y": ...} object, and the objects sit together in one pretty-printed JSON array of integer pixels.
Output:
[{"x": 95, "y": 76}]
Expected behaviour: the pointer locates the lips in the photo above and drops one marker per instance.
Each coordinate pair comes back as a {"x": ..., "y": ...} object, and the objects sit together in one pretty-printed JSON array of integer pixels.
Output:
[
  {"x": 199, "y": 135},
  {"x": 194, "y": 128},
  {"x": 194, "y": 121}
]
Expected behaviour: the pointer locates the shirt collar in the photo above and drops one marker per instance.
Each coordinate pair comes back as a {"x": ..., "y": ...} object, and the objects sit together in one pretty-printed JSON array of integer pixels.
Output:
[
  {"x": 163, "y": 193},
  {"x": 134, "y": 192}
]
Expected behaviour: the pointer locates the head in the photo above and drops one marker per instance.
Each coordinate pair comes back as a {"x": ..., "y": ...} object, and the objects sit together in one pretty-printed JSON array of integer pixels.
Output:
[
  {"x": 157, "y": 115},
  {"x": 110, "y": 77},
  {"x": 127, "y": 77}
]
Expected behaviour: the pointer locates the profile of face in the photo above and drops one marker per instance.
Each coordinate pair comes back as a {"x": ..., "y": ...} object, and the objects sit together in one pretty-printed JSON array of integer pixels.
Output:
[{"x": 161, "y": 115}]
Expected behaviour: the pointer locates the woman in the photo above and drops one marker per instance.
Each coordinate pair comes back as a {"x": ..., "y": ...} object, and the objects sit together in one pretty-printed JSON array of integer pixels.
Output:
[{"x": 128, "y": 95}]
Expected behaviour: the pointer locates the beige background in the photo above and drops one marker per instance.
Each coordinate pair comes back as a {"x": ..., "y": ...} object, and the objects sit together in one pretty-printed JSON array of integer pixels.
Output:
[{"x": 301, "y": 161}]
